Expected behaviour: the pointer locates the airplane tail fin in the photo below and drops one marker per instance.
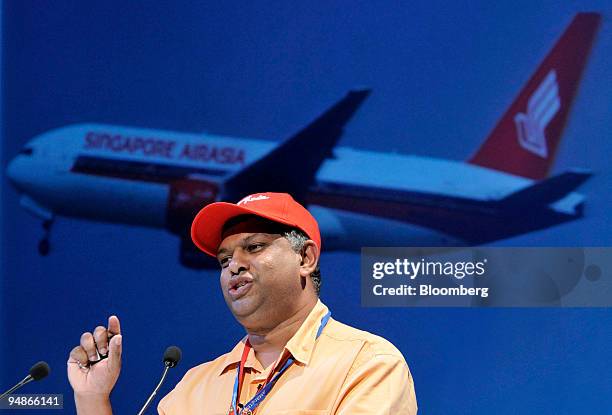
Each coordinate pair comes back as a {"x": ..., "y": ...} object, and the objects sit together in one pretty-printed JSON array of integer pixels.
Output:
[{"x": 524, "y": 142}]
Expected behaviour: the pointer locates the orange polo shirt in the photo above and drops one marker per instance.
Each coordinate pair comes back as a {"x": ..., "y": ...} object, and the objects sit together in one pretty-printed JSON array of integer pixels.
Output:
[{"x": 344, "y": 371}]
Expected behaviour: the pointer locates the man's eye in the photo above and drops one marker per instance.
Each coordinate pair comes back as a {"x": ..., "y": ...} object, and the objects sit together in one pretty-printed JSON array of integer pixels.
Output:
[
  {"x": 254, "y": 247},
  {"x": 224, "y": 262}
]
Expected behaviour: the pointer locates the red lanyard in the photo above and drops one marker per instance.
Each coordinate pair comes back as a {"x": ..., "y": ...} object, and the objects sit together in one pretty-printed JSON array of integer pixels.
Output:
[
  {"x": 245, "y": 354},
  {"x": 261, "y": 394}
]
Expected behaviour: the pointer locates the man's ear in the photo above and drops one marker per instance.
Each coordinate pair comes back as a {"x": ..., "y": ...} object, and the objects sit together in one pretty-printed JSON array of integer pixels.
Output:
[{"x": 310, "y": 258}]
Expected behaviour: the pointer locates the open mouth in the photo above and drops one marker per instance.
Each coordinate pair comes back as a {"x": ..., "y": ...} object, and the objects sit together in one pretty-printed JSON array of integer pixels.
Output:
[{"x": 239, "y": 288}]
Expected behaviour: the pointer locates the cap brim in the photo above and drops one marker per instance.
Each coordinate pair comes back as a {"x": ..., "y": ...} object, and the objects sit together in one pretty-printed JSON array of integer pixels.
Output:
[{"x": 208, "y": 224}]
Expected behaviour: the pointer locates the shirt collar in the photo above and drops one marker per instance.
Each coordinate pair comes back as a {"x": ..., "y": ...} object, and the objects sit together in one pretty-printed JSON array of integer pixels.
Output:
[
  {"x": 300, "y": 346},
  {"x": 302, "y": 343},
  {"x": 232, "y": 359}
]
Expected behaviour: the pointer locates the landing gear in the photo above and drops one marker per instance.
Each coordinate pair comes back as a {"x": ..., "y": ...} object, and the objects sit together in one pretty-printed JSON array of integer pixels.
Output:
[{"x": 44, "y": 246}]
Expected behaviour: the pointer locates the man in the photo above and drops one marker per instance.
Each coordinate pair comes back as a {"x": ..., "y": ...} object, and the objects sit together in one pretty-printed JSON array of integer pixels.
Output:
[{"x": 295, "y": 358}]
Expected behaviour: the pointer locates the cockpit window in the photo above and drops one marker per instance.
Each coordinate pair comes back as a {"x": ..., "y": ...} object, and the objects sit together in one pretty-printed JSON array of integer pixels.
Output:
[{"x": 27, "y": 151}]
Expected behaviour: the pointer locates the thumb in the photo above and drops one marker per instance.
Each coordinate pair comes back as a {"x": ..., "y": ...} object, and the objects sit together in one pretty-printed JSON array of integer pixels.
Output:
[{"x": 114, "y": 352}]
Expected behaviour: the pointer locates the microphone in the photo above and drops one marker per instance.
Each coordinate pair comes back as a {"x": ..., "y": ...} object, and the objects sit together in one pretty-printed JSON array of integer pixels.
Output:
[
  {"x": 39, "y": 371},
  {"x": 172, "y": 356}
]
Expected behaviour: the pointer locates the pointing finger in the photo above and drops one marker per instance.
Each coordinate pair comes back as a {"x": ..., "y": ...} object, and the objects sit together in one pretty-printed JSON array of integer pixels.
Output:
[{"x": 113, "y": 326}]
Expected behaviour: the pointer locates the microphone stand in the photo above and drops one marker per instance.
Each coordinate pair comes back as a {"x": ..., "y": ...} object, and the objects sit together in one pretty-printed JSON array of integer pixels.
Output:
[
  {"x": 148, "y": 402},
  {"x": 25, "y": 380}
]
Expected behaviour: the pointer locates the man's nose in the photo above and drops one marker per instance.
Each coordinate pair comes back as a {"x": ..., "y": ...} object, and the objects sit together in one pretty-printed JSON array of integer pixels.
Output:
[{"x": 238, "y": 263}]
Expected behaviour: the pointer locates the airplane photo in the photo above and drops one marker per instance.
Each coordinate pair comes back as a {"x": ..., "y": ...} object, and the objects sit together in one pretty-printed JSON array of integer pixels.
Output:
[{"x": 160, "y": 179}]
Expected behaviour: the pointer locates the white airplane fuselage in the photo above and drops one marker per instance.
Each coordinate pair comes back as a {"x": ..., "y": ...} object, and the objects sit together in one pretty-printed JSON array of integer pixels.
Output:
[{"x": 137, "y": 192}]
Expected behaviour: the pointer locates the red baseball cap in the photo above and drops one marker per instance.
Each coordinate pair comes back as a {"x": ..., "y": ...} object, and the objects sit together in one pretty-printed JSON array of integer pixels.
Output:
[{"x": 208, "y": 224}]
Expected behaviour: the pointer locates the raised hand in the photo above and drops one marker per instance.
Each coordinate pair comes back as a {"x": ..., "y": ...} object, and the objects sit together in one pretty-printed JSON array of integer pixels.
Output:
[{"x": 94, "y": 365}]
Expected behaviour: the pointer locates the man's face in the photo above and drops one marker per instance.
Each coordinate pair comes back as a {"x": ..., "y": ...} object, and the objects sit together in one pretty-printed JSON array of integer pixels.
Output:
[{"x": 260, "y": 273}]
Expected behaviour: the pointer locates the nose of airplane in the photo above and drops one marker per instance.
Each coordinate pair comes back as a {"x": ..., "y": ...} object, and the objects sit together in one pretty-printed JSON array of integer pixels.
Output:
[{"x": 14, "y": 172}]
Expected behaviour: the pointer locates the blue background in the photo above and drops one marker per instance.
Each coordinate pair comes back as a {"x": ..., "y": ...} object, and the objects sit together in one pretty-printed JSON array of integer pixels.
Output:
[{"x": 442, "y": 73}]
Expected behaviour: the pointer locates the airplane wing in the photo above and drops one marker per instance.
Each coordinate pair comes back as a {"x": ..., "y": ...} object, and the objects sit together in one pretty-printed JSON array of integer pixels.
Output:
[
  {"x": 291, "y": 167},
  {"x": 547, "y": 191}
]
